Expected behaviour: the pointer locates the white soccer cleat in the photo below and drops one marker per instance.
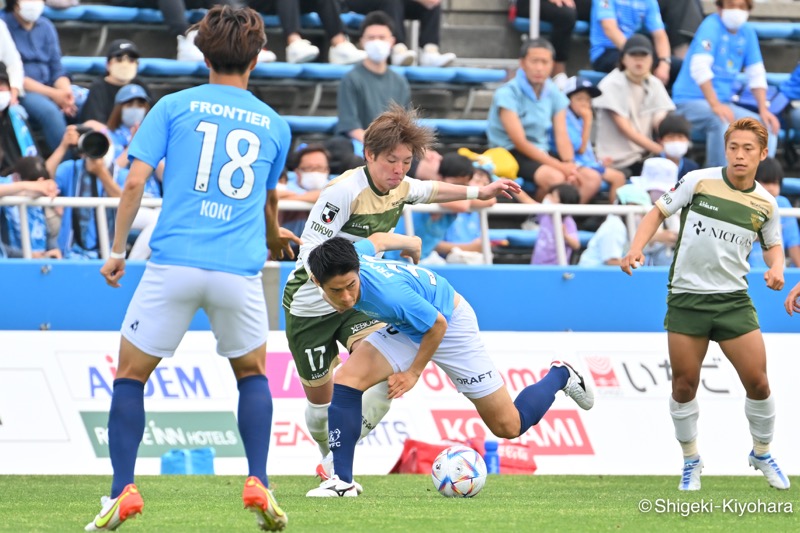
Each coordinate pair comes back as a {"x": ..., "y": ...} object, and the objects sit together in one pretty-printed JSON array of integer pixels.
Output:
[
  {"x": 345, "y": 53},
  {"x": 334, "y": 488},
  {"x": 431, "y": 57},
  {"x": 576, "y": 387},
  {"x": 301, "y": 51},
  {"x": 690, "y": 479},
  {"x": 325, "y": 471},
  {"x": 770, "y": 469},
  {"x": 117, "y": 510}
]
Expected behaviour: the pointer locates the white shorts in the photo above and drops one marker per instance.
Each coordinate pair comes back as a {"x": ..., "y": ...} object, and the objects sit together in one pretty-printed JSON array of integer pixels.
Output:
[
  {"x": 461, "y": 355},
  {"x": 169, "y": 296}
]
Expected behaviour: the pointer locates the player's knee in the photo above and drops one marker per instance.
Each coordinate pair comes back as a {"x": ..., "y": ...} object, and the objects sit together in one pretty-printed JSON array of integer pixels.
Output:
[
  {"x": 757, "y": 387},
  {"x": 684, "y": 388},
  {"x": 507, "y": 427}
]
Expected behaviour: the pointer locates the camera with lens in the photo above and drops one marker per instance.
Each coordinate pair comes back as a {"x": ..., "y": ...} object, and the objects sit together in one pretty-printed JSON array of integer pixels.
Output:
[{"x": 91, "y": 143}]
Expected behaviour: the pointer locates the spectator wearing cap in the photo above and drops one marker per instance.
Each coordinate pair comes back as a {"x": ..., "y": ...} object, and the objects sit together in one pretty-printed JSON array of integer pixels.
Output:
[
  {"x": 723, "y": 45},
  {"x": 131, "y": 104},
  {"x": 48, "y": 97},
  {"x": 630, "y": 109},
  {"x": 9, "y": 56},
  {"x": 580, "y": 92},
  {"x": 610, "y": 242},
  {"x": 675, "y": 135},
  {"x": 613, "y": 22},
  {"x": 122, "y": 65}
]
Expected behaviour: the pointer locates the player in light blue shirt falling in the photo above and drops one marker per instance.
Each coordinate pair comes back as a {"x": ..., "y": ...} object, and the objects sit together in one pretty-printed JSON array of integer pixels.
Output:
[
  {"x": 223, "y": 150},
  {"x": 427, "y": 321}
]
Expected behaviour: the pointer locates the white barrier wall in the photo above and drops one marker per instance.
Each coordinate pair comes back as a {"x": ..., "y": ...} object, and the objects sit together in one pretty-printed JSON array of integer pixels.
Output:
[{"x": 55, "y": 391}]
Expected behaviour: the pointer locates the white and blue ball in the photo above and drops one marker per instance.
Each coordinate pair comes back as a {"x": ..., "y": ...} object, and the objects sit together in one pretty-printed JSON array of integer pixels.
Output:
[{"x": 459, "y": 472}]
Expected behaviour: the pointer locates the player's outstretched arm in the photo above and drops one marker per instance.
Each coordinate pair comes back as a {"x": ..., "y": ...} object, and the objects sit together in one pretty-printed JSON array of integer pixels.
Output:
[
  {"x": 129, "y": 203},
  {"x": 410, "y": 247},
  {"x": 449, "y": 192},
  {"x": 647, "y": 228},
  {"x": 792, "y": 304}
]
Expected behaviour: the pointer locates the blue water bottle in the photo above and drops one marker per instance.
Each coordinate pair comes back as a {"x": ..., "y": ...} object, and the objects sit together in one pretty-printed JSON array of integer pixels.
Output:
[{"x": 491, "y": 457}]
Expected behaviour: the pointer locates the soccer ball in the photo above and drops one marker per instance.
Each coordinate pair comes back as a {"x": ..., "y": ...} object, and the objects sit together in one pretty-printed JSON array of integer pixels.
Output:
[{"x": 458, "y": 472}]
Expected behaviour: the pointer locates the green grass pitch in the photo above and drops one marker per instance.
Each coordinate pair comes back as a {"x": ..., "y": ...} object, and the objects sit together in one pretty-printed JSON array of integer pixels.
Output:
[{"x": 409, "y": 503}]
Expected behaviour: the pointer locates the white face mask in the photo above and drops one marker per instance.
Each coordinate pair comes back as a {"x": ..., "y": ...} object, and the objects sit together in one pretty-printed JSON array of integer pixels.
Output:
[
  {"x": 733, "y": 19},
  {"x": 5, "y": 99},
  {"x": 377, "y": 50},
  {"x": 31, "y": 11},
  {"x": 313, "y": 181},
  {"x": 124, "y": 71},
  {"x": 132, "y": 116},
  {"x": 676, "y": 148}
]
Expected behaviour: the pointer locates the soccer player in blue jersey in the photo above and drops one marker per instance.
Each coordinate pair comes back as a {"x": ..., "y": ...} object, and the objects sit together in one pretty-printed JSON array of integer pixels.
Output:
[
  {"x": 223, "y": 150},
  {"x": 427, "y": 321}
]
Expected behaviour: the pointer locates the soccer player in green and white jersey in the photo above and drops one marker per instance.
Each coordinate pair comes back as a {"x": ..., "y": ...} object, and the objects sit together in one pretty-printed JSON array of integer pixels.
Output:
[
  {"x": 724, "y": 210},
  {"x": 355, "y": 205}
]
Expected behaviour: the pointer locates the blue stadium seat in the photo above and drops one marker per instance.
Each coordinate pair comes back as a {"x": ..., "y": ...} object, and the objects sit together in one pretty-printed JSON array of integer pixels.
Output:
[
  {"x": 790, "y": 187},
  {"x": 448, "y": 127},
  {"x": 775, "y": 30},
  {"x": 523, "y": 238},
  {"x": 324, "y": 71},
  {"x": 523, "y": 25},
  {"x": 277, "y": 70},
  {"x": 271, "y": 21},
  {"x": 61, "y": 15},
  {"x": 479, "y": 75},
  {"x": 352, "y": 20},
  {"x": 300, "y": 124},
  {"x": 430, "y": 74},
  {"x": 84, "y": 65},
  {"x": 592, "y": 75},
  {"x": 156, "y": 66}
]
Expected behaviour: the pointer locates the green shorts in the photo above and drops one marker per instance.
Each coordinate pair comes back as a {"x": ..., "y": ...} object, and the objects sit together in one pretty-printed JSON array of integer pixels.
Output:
[
  {"x": 718, "y": 317},
  {"x": 312, "y": 341}
]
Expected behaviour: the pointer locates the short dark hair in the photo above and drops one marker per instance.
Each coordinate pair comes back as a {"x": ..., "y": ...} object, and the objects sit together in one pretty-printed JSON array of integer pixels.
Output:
[
  {"x": 334, "y": 257},
  {"x": 455, "y": 165},
  {"x": 296, "y": 157},
  {"x": 377, "y": 18},
  {"x": 675, "y": 124},
  {"x": 539, "y": 42},
  {"x": 230, "y": 38},
  {"x": 720, "y": 3},
  {"x": 10, "y": 4},
  {"x": 31, "y": 168},
  {"x": 769, "y": 171},
  {"x": 567, "y": 194}
]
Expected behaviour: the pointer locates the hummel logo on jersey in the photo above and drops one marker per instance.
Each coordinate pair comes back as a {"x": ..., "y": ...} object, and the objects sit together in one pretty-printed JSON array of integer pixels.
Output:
[
  {"x": 705, "y": 204},
  {"x": 135, "y": 326},
  {"x": 698, "y": 228},
  {"x": 329, "y": 213}
]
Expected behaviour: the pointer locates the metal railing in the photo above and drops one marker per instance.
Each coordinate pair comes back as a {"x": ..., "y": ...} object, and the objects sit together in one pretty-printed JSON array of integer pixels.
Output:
[{"x": 556, "y": 210}]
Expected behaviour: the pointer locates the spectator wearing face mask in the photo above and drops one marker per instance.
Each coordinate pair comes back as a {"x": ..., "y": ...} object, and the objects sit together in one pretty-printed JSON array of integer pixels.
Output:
[
  {"x": 311, "y": 165},
  {"x": 367, "y": 90},
  {"x": 122, "y": 65},
  {"x": 49, "y": 97},
  {"x": 675, "y": 133}
]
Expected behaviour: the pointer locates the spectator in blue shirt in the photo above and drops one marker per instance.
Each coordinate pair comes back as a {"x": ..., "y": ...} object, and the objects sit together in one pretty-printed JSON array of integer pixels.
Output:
[
  {"x": 723, "y": 45},
  {"x": 48, "y": 95},
  {"x": 612, "y": 24},
  {"x": 675, "y": 134},
  {"x": 523, "y": 112},
  {"x": 770, "y": 176},
  {"x": 791, "y": 89}
]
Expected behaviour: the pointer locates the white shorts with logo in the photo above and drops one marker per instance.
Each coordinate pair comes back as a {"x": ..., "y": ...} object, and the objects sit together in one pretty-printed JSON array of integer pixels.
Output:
[
  {"x": 169, "y": 296},
  {"x": 461, "y": 355}
]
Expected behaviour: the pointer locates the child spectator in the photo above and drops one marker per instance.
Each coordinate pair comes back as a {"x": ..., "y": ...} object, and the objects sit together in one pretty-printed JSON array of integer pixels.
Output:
[
  {"x": 580, "y": 92},
  {"x": 544, "y": 252},
  {"x": 659, "y": 175},
  {"x": 770, "y": 176},
  {"x": 674, "y": 134},
  {"x": 30, "y": 178},
  {"x": 610, "y": 242}
]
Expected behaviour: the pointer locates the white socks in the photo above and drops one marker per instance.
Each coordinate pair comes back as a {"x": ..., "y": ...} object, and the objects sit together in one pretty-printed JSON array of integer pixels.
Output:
[
  {"x": 317, "y": 424},
  {"x": 761, "y": 415},
  {"x": 374, "y": 406},
  {"x": 684, "y": 417}
]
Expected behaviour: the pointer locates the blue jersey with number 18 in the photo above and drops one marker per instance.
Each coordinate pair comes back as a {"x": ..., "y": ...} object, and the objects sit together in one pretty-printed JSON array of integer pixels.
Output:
[{"x": 223, "y": 149}]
